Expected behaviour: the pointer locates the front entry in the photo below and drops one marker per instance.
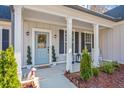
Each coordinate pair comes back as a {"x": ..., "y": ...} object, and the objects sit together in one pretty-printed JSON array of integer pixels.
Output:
[{"x": 41, "y": 48}]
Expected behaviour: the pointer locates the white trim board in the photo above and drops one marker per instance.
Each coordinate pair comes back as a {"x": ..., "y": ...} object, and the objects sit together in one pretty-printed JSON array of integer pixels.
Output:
[
  {"x": 55, "y": 23},
  {"x": 33, "y": 44}
]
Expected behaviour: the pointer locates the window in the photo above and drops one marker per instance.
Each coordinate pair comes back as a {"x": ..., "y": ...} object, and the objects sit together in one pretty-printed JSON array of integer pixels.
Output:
[
  {"x": 5, "y": 39},
  {"x": 88, "y": 41},
  {"x": 63, "y": 42}
]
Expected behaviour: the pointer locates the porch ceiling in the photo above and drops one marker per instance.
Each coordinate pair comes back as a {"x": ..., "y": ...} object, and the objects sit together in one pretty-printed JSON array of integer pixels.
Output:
[{"x": 53, "y": 19}]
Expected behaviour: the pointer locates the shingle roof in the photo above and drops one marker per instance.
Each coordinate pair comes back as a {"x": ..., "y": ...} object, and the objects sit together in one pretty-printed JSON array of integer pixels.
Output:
[
  {"x": 79, "y": 8},
  {"x": 117, "y": 12},
  {"x": 5, "y": 13}
]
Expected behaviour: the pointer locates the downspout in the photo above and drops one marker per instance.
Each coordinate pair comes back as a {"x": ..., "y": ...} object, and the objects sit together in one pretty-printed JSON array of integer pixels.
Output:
[{"x": 12, "y": 25}]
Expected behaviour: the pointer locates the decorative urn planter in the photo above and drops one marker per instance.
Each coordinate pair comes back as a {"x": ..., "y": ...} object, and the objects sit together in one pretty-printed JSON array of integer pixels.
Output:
[
  {"x": 54, "y": 63},
  {"x": 29, "y": 66}
]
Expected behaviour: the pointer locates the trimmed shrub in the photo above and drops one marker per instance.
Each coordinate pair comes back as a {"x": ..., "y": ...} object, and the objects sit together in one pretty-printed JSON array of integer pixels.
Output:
[
  {"x": 95, "y": 71},
  {"x": 108, "y": 67},
  {"x": 85, "y": 65},
  {"x": 8, "y": 70},
  {"x": 29, "y": 58},
  {"x": 53, "y": 54}
]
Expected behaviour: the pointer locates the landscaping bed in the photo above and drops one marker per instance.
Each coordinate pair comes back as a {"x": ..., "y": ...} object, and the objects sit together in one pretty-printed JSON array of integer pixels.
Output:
[
  {"x": 103, "y": 80},
  {"x": 33, "y": 83}
]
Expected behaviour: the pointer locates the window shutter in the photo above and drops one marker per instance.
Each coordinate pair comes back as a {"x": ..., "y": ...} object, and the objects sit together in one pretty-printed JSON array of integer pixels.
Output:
[
  {"x": 61, "y": 41},
  {"x": 92, "y": 40},
  {"x": 76, "y": 42},
  {"x": 5, "y": 39},
  {"x": 82, "y": 41}
]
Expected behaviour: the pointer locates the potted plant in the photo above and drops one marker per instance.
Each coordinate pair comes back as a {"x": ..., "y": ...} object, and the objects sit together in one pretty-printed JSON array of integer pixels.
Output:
[
  {"x": 53, "y": 56},
  {"x": 29, "y": 58}
]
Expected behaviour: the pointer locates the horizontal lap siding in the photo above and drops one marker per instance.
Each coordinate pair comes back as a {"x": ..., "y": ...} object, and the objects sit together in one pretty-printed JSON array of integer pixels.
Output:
[{"x": 28, "y": 25}]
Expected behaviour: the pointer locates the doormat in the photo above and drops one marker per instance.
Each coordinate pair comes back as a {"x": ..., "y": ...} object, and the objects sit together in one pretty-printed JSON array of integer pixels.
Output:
[{"x": 42, "y": 67}]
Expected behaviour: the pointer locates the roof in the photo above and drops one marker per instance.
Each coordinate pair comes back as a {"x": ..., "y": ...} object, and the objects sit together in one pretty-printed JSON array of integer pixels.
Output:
[
  {"x": 5, "y": 13},
  {"x": 108, "y": 17},
  {"x": 117, "y": 12}
]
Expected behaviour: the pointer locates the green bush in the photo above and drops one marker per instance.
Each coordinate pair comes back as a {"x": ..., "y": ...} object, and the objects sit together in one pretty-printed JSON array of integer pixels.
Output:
[
  {"x": 8, "y": 70},
  {"x": 85, "y": 65},
  {"x": 108, "y": 67},
  {"x": 95, "y": 71},
  {"x": 115, "y": 64}
]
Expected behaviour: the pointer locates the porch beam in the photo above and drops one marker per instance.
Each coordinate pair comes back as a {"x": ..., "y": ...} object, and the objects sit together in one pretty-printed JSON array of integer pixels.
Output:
[
  {"x": 69, "y": 45},
  {"x": 18, "y": 38},
  {"x": 96, "y": 45}
]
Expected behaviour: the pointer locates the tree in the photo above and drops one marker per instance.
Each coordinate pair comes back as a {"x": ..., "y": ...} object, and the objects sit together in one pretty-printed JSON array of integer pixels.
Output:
[
  {"x": 85, "y": 65},
  {"x": 8, "y": 69}
]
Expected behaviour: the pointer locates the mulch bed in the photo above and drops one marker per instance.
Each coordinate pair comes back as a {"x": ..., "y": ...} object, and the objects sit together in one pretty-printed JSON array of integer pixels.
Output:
[
  {"x": 30, "y": 84},
  {"x": 104, "y": 80}
]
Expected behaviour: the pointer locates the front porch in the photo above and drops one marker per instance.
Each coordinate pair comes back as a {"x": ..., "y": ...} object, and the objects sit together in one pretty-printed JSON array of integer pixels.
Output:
[
  {"x": 53, "y": 76},
  {"x": 68, "y": 34}
]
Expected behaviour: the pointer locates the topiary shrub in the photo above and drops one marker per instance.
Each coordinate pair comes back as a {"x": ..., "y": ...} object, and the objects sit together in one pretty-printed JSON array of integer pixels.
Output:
[
  {"x": 8, "y": 70},
  {"x": 29, "y": 58},
  {"x": 95, "y": 71},
  {"x": 53, "y": 54},
  {"x": 85, "y": 65}
]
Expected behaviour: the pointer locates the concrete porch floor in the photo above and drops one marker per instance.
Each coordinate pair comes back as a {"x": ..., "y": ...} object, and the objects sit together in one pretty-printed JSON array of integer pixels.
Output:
[{"x": 53, "y": 77}]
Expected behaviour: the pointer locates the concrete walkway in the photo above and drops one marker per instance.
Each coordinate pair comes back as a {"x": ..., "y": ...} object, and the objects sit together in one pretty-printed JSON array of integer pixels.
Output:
[{"x": 53, "y": 77}]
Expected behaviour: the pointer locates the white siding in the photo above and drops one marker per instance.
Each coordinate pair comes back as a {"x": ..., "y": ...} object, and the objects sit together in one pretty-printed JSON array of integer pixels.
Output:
[
  {"x": 112, "y": 44},
  {"x": 28, "y": 25}
]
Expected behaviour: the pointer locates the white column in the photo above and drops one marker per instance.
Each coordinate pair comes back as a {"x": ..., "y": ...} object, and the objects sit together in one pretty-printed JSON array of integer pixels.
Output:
[
  {"x": 1, "y": 37},
  {"x": 69, "y": 45},
  {"x": 18, "y": 38},
  {"x": 96, "y": 45}
]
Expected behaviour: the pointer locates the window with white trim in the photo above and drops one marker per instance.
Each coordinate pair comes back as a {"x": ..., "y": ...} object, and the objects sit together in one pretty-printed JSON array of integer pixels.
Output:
[{"x": 88, "y": 41}]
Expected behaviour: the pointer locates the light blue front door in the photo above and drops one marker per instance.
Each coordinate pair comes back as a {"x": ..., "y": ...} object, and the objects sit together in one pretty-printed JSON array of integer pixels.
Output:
[{"x": 41, "y": 48}]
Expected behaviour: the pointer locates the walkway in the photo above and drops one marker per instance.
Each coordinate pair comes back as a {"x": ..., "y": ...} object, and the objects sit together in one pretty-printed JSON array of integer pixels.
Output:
[{"x": 53, "y": 77}]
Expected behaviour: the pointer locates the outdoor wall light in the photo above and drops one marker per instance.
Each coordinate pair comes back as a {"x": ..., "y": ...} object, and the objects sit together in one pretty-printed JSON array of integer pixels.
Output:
[
  {"x": 55, "y": 36},
  {"x": 27, "y": 33}
]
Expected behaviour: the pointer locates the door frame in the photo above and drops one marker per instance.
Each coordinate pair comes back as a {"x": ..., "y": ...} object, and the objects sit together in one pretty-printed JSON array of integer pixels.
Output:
[{"x": 33, "y": 45}]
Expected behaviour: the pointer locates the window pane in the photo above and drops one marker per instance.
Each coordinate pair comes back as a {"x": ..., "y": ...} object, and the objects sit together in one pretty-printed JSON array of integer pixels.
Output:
[{"x": 88, "y": 46}]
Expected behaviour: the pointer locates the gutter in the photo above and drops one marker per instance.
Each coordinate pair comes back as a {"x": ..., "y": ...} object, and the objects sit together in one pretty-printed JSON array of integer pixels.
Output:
[{"x": 82, "y": 9}]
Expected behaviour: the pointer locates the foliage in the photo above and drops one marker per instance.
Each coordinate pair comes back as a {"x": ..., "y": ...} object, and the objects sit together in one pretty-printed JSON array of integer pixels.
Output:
[
  {"x": 53, "y": 54},
  {"x": 8, "y": 69},
  {"x": 95, "y": 71},
  {"x": 29, "y": 58},
  {"x": 85, "y": 65},
  {"x": 115, "y": 64},
  {"x": 108, "y": 67}
]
